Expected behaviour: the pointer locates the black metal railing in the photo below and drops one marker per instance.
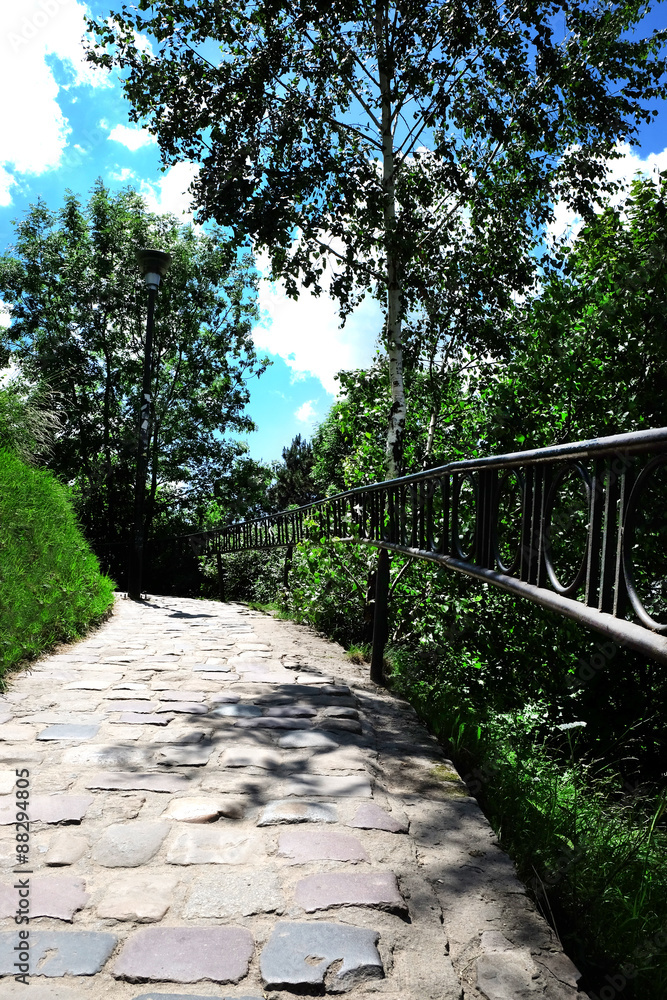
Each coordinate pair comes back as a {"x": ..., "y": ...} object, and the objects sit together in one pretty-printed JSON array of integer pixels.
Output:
[{"x": 578, "y": 528}]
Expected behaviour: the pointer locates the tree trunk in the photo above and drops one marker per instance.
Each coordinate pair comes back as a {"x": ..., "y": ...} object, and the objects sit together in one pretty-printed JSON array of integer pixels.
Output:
[{"x": 396, "y": 428}]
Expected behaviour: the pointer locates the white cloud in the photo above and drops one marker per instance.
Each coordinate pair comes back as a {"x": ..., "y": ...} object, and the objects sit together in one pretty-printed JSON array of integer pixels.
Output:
[
  {"x": 305, "y": 333},
  {"x": 32, "y": 126},
  {"x": 567, "y": 224},
  {"x": 132, "y": 138},
  {"x": 306, "y": 413},
  {"x": 122, "y": 174},
  {"x": 170, "y": 193}
]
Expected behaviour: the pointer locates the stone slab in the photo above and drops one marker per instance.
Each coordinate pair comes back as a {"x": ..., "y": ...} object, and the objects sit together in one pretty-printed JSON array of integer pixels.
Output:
[
  {"x": 330, "y": 784},
  {"x": 59, "y": 953},
  {"x": 339, "y": 712},
  {"x": 109, "y": 756},
  {"x": 131, "y": 706},
  {"x": 224, "y": 698},
  {"x": 226, "y": 894},
  {"x": 68, "y": 731},
  {"x": 184, "y": 707},
  {"x": 288, "y": 960},
  {"x": 184, "y": 756},
  {"x": 211, "y": 668},
  {"x": 211, "y": 845},
  {"x": 186, "y": 955},
  {"x": 369, "y": 816},
  {"x": 182, "y": 696},
  {"x": 180, "y": 735},
  {"x": 286, "y": 811},
  {"x": 340, "y": 725},
  {"x": 203, "y": 809},
  {"x": 65, "y": 848},
  {"x": 291, "y": 711},
  {"x": 270, "y": 722},
  {"x": 267, "y": 760},
  {"x": 327, "y": 889},
  {"x": 47, "y": 808},
  {"x": 128, "y": 845},
  {"x": 141, "y": 898},
  {"x": 186, "y": 996},
  {"x": 49, "y": 897},
  {"x": 320, "y": 845},
  {"x": 139, "y": 719},
  {"x": 19, "y": 733},
  {"x": 134, "y": 781},
  {"x": 312, "y": 738},
  {"x": 237, "y": 711}
]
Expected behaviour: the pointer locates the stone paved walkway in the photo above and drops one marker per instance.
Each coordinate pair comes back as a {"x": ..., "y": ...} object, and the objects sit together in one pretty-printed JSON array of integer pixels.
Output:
[{"x": 223, "y": 806}]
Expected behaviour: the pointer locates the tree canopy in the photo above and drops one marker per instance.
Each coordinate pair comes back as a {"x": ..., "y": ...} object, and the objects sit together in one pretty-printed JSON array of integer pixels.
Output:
[
  {"x": 78, "y": 315},
  {"x": 420, "y": 147}
]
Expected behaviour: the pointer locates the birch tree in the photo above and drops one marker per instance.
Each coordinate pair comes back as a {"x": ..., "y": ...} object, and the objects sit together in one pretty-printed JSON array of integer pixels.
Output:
[{"x": 347, "y": 137}]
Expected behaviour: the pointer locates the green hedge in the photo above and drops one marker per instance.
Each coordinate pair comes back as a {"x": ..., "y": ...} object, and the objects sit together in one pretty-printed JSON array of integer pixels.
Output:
[{"x": 51, "y": 588}]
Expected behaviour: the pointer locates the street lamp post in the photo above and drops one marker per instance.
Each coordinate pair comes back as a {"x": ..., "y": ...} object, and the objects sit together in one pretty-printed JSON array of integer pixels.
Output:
[{"x": 153, "y": 264}]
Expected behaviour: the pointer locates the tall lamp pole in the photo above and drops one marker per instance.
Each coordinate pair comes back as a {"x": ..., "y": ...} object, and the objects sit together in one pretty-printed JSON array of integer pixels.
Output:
[{"x": 153, "y": 264}]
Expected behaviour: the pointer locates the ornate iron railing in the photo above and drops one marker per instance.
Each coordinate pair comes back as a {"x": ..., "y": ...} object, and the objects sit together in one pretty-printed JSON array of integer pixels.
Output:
[{"x": 579, "y": 528}]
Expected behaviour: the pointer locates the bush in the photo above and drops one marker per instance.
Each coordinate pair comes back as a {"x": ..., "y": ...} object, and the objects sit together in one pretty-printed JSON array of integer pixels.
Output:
[{"x": 51, "y": 589}]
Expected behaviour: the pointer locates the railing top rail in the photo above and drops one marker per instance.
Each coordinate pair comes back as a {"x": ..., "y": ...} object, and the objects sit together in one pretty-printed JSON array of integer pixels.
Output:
[{"x": 633, "y": 442}]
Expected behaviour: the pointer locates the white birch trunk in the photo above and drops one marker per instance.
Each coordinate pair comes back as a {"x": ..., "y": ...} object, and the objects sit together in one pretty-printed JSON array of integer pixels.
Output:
[{"x": 396, "y": 427}]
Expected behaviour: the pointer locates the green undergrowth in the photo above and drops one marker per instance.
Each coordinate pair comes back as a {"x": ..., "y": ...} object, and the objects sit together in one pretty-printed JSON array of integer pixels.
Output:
[
  {"x": 51, "y": 589},
  {"x": 591, "y": 848}
]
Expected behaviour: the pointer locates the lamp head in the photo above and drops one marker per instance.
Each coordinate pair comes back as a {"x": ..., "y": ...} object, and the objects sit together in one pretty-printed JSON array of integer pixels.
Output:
[{"x": 153, "y": 264}]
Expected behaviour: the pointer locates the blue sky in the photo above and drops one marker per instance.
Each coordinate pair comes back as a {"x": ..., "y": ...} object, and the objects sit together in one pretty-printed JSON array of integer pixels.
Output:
[{"x": 63, "y": 124}]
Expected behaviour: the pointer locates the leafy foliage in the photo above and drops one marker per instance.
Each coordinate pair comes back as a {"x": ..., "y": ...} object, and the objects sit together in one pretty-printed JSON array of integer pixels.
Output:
[{"x": 77, "y": 322}]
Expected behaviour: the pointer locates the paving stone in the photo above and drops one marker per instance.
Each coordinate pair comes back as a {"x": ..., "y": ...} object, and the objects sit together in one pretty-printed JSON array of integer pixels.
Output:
[
  {"x": 19, "y": 733},
  {"x": 286, "y": 811},
  {"x": 339, "y": 712},
  {"x": 184, "y": 707},
  {"x": 7, "y": 780},
  {"x": 291, "y": 711},
  {"x": 203, "y": 809},
  {"x": 289, "y": 958},
  {"x": 135, "y": 688},
  {"x": 310, "y": 738},
  {"x": 210, "y": 844},
  {"x": 329, "y": 784},
  {"x": 327, "y": 889},
  {"x": 269, "y": 722},
  {"x": 184, "y": 996},
  {"x": 49, "y": 808},
  {"x": 137, "y": 719},
  {"x": 49, "y": 897},
  {"x": 225, "y": 894},
  {"x": 212, "y": 668},
  {"x": 179, "y": 735},
  {"x": 268, "y": 760},
  {"x": 320, "y": 845},
  {"x": 109, "y": 756},
  {"x": 186, "y": 954},
  {"x": 91, "y": 683},
  {"x": 340, "y": 725},
  {"x": 128, "y": 845},
  {"x": 131, "y": 706},
  {"x": 188, "y": 756},
  {"x": 65, "y": 848},
  {"x": 224, "y": 698},
  {"x": 144, "y": 898},
  {"x": 369, "y": 816},
  {"x": 59, "y": 953},
  {"x": 182, "y": 696},
  {"x": 506, "y": 975},
  {"x": 237, "y": 711},
  {"x": 134, "y": 781},
  {"x": 69, "y": 731}
]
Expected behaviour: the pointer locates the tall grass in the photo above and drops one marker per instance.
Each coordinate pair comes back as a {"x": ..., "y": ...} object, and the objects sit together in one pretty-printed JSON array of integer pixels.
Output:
[
  {"x": 593, "y": 852},
  {"x": 51, "y": 589}
]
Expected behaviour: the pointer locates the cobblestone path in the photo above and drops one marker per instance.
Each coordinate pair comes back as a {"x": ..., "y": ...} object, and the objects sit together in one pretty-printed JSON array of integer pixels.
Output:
[{"x": 223, "y": 806}]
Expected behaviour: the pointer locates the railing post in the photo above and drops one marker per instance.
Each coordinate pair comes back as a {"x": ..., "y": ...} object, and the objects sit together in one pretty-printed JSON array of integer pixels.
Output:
[
  {"x": 286, "y": 567},
  {"x": 221, "y": 576},
  {"x": 380, "y": 629}
]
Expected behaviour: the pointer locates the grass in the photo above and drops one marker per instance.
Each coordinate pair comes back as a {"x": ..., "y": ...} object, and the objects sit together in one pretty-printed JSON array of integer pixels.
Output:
[
  {"x": 51, "y": 588},
  {"x": 359, "y": 653},
  {"x": 593, "y": 853}
]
